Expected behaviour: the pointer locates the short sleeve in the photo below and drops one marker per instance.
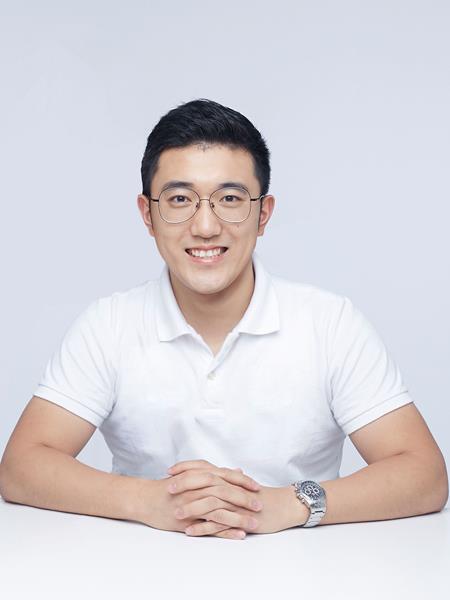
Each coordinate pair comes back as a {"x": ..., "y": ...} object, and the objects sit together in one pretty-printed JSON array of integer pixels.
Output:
[
  {"x": 365, "y": 380},
  {"x": 80, "y": 375}
]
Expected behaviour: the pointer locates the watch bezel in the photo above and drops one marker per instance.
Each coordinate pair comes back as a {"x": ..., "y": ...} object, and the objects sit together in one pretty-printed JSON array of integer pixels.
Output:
[{"x": 304, "y": 489}]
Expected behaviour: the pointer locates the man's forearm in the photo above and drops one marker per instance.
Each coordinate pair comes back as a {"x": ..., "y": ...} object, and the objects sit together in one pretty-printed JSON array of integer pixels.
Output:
[
  {"x": 399, "y": 486},
  {"x": 47, "y": 478}
]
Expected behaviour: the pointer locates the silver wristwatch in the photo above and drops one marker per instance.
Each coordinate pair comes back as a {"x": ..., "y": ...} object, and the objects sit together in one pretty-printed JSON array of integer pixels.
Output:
[{"x": 312, "y": 495}]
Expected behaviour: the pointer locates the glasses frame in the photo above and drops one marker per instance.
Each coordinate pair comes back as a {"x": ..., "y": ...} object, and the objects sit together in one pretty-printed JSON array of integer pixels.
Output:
[{"x": 198, "y": 205}]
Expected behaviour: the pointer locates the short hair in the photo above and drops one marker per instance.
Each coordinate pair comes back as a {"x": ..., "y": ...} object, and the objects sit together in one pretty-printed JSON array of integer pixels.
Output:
[{"x": 204, "y": 120}]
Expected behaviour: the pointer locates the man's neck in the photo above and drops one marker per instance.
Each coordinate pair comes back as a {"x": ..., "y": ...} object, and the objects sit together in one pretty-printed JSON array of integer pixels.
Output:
[{"x": 214, "y": 315}]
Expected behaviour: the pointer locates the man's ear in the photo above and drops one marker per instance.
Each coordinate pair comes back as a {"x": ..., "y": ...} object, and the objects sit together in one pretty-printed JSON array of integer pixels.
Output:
[
  {"x": 144, "y": 208},
  {"x": 266, "y": 210}
]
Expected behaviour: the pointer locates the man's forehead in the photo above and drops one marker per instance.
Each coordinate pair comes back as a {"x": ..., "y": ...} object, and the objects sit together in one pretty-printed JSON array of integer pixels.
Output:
[{"x": 205, "y": 162}]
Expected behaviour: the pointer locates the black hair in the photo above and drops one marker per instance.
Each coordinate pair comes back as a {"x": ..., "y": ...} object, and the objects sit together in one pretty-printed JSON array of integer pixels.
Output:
[{"x": 204, "y": 120}]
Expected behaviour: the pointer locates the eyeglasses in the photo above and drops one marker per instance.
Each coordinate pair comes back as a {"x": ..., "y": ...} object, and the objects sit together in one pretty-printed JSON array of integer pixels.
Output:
[{"x": 230, "y": 204}]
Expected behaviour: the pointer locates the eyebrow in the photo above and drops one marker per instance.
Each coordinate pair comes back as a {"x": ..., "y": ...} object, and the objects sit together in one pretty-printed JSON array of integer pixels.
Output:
[{"x": 179, "y": 183}]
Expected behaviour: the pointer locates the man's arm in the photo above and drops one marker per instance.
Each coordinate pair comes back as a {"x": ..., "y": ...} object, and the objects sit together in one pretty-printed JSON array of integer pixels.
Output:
[
  {"x": 47, "y": 478},
  {"x": 39, "y": 467},
  {"x": 406, "y": 474}
]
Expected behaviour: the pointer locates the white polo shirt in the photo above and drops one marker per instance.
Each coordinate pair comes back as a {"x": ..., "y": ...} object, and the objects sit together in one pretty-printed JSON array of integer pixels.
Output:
[{"x": 300, "y": 371}]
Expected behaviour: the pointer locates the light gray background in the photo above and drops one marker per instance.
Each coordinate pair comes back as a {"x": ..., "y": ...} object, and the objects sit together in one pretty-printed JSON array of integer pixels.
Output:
[{"x": 352, "y": 98}]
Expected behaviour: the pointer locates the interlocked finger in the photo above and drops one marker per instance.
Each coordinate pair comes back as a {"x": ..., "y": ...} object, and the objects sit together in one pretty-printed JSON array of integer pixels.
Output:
[
  {"x": 226, "y": 517},
  {"x": 203, "y": 506},
  {"x": 198, "y": 478},
  {"x": 222, "y": 491},
  {"x": 232, "y": 534},
  {"x": 200, "y": 528}
]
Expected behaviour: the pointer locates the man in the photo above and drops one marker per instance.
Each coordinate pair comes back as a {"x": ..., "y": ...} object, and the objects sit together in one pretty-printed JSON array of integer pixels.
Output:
[{"x": 224, "y": 393}]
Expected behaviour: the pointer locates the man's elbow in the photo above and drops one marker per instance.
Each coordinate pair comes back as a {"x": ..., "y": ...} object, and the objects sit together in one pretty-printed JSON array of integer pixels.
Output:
[
  {"x": 442, "y": 484},
  {"x": 2, "y": 481},
  {"x": 435, "y": 478},
  {"x": 444, "y": 492}
]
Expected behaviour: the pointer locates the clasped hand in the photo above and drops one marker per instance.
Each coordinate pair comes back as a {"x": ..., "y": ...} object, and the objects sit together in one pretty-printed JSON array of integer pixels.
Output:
[{"x": 223, "y": 502}]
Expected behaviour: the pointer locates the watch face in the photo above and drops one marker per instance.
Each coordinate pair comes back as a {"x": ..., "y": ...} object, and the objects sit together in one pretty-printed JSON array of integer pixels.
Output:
[{"x": 311, "y": 489}]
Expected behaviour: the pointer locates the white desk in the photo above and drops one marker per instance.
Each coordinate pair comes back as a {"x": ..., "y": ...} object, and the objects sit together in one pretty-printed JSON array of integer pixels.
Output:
[{"x": 49, "y": 554}]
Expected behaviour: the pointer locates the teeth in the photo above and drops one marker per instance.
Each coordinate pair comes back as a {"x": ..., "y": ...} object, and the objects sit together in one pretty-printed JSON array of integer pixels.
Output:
[{"x": 207, "y": 253}]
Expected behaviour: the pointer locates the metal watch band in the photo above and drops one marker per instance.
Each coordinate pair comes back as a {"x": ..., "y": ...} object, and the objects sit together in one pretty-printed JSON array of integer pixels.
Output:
[
  {"x": 312, "y": 495},
  {"x": 314, "y": 518}
]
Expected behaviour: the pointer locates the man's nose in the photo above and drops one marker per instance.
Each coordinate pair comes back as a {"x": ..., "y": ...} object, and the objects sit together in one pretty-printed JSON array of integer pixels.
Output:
[{"x": 205, "y": 221}]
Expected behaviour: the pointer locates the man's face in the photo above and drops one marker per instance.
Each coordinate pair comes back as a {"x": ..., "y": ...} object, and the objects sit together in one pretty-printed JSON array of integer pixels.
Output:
[{"x": 206, "y": 167}]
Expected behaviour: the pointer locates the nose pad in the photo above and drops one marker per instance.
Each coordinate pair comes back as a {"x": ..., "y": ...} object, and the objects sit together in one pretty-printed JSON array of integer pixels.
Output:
[
  {"x": 209, "y": 211},
  {"x": 209, "y": 205}
]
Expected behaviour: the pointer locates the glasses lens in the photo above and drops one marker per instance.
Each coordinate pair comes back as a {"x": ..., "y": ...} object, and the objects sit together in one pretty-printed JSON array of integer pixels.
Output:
[
  {"x": 231, "y": 204},
  {"x": 177, "y": 204}
]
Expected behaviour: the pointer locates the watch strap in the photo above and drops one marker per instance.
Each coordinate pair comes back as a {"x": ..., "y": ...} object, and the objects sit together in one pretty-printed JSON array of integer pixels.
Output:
[{"x": 315, "y": 500}]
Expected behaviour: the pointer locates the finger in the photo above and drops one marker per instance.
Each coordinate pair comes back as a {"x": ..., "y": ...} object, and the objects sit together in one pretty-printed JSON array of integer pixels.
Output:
[
  {"x": 238, "y": 478},
  {"x": 233, "y": 519},
  {"x": 214, "y": 494},
  {"x": 184, "y": 465},
  {"x": 204, "y": 527},
  {"x": 229, "y": 497},
  {"x": 225, "y": 517},
  {"x": 202, "y": 478},
  {"x": 179, "y": 468},
  {"x": 220, "y": 530},
  {"x": 203, "y": 464},
  {"x": 198, "y": 508},
  {"x": 216, "y": 529},
  {"x": 199, "y": 480},
  {"x": 234, "y": 534}
]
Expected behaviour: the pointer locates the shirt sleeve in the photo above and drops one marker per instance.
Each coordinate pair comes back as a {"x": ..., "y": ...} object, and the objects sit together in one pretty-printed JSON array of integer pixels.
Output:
[
  {"x": 365, "y": 380},
  {"x": 80, "y": 375}
]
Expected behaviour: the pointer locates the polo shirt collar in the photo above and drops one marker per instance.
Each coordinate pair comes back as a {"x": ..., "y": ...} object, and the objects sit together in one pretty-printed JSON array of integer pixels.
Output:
[{"x": 262, "y": 314}]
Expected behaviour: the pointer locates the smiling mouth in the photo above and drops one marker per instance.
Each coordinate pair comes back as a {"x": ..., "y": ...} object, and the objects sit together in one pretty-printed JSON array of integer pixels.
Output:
[{"x": 222, "y": 251}]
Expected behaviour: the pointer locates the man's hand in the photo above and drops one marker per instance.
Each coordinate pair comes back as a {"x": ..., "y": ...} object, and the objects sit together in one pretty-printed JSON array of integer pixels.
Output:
[
  {"x": 203, "y": 486},
  {"x": 204, "y": 490},
  {"x": 223, "y": 503}
]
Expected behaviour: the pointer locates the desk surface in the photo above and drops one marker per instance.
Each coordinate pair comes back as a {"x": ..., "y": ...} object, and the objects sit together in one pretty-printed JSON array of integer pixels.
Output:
[{"x": 50, "y": 554}]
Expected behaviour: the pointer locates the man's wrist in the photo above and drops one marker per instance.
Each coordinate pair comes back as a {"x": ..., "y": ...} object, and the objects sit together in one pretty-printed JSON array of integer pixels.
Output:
[
  {"x": 298, "y": 513},
  {"x": 141, "y": 503}
]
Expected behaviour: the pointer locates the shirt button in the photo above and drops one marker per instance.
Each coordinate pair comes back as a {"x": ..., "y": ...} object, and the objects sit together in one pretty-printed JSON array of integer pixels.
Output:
[{"x": 212, "y": 375}]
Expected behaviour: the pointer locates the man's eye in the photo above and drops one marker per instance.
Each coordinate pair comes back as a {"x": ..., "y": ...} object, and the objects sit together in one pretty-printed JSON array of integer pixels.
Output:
[
  {"x": 229, "y": 197},
  {"x": 175, "y": 198}
]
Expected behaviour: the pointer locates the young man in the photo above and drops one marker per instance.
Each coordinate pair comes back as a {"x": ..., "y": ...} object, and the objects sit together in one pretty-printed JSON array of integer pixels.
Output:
[{"x": 224, "y": 393}]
